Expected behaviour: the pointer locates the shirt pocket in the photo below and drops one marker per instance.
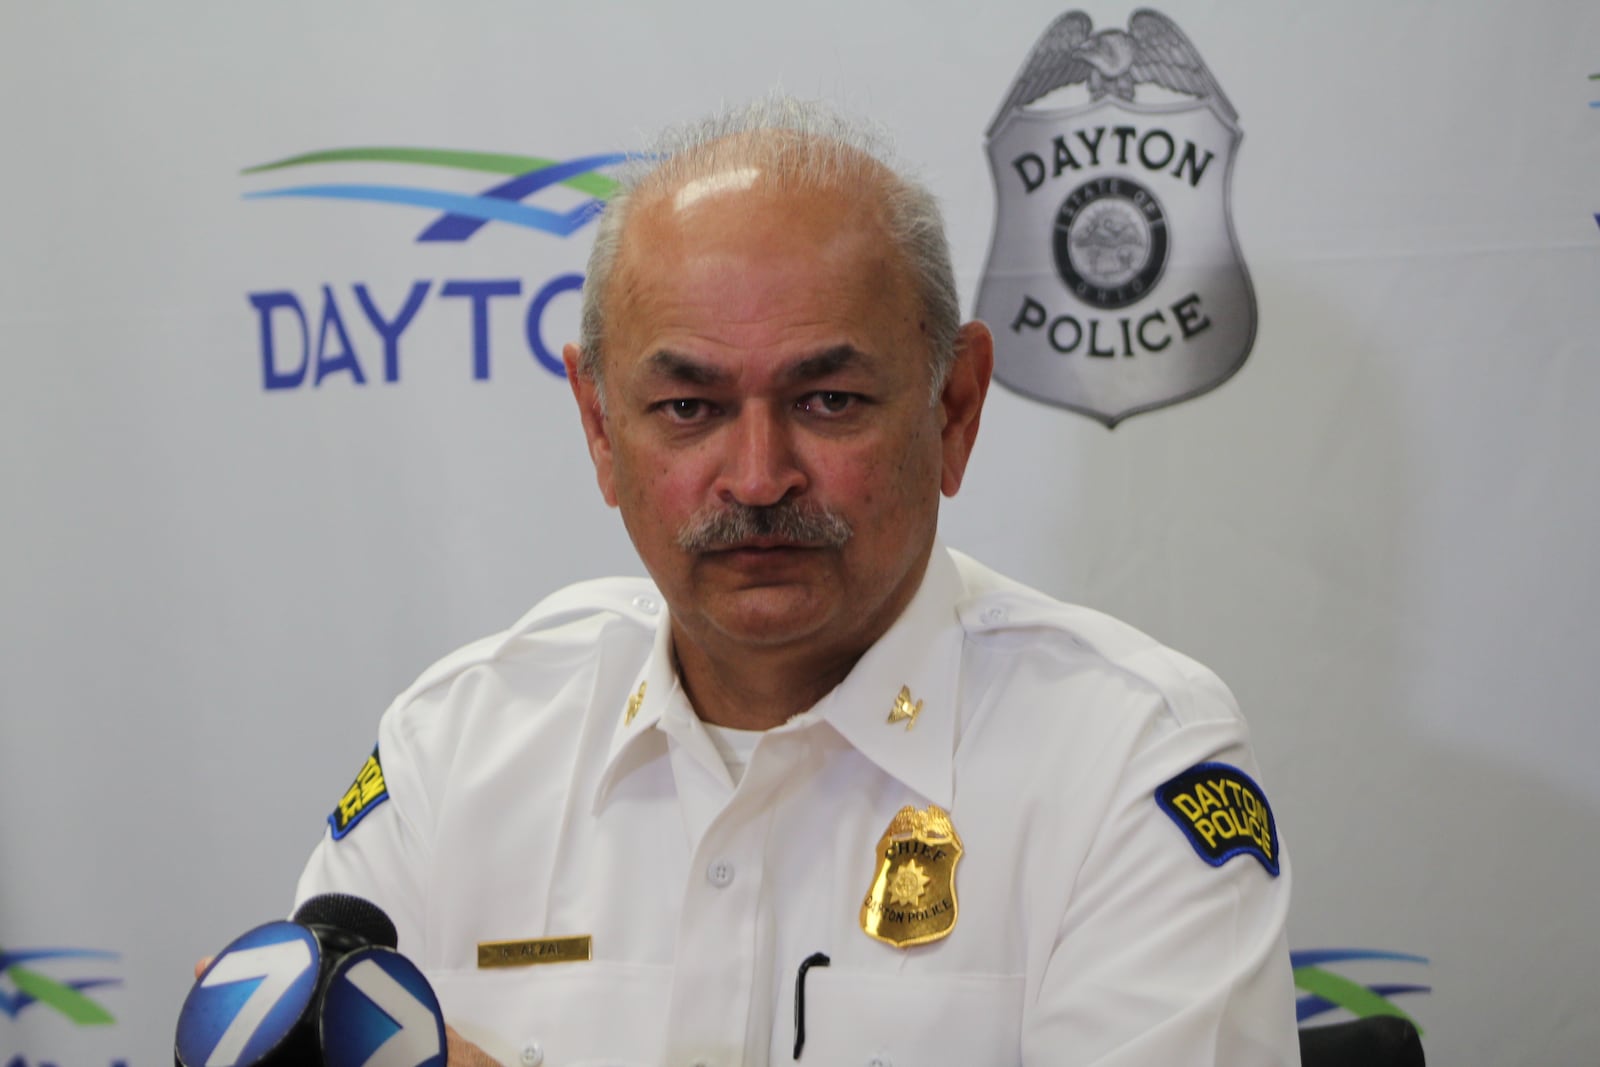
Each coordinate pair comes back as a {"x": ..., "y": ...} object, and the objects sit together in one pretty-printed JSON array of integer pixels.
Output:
[
  {"x": 910, "y": 1020},
  {"x": 588, "y": 1014}
]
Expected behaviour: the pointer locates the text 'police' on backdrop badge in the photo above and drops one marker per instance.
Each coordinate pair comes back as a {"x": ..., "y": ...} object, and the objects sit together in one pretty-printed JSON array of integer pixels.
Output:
[{"x": 1114, "y": 283}]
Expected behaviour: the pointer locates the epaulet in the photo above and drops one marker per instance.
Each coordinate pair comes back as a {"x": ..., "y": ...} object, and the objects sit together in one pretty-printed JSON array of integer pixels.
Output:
[
  {"x": 995, "y": 603},
  {"x": 632, "y": 599},
  {"x": 635, "y": 599}
]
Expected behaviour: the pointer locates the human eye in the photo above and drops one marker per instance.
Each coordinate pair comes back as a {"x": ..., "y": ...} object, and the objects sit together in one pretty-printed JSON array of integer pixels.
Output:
[
  {"x": 828, "y": 402},
  {"x": 685, "y": 409}
]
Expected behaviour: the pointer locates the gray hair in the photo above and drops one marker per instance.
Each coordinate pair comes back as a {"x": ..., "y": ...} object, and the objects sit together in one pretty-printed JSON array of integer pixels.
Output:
[{"x": 827, "y": 150}]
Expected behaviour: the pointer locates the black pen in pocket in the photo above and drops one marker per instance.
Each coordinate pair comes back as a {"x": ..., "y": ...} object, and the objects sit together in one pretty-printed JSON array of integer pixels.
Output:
[{"x": 816, "y": 959}]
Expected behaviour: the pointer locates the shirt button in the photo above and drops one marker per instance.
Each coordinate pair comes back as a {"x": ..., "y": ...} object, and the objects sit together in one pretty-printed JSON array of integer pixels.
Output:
[
  {"x": 720, "y": 873},
  {"x": 646, "y": 604},
  {"x": 532, "y": 1054},
  {"x": 992, "y": 616}
]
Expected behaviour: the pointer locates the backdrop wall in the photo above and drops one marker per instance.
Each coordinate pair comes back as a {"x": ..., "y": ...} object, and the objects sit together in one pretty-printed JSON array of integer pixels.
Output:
[{"x": 266, "y": 452}]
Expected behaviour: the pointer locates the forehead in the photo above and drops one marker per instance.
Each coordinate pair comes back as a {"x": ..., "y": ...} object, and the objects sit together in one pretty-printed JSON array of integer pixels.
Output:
[{"x": 731, "y": 262}]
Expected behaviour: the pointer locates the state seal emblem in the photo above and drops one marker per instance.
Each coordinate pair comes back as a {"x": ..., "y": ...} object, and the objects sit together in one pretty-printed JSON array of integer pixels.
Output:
[
  {"x": 912, "y": 899},
  {"x": 1114, "y": 283}
]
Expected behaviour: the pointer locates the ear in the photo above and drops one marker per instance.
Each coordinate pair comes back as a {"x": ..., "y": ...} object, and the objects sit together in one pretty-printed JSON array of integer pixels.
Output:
[
  {"x": 961, "y": 401},
  {"x": 586, "y": 391}
]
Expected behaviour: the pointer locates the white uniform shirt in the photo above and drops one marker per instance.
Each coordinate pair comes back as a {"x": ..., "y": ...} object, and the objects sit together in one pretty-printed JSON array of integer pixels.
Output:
[{"x": 525, "y": 803}]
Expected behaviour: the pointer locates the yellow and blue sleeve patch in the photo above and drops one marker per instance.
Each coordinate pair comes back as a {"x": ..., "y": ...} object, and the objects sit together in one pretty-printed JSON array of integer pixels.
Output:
[
  {"x": 1223, "y": 813},
  {"x": 364, "y": 794}
]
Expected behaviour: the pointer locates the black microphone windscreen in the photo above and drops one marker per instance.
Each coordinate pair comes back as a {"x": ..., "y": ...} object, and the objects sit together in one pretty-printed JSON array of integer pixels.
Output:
[{"x": 346, "y": 912}]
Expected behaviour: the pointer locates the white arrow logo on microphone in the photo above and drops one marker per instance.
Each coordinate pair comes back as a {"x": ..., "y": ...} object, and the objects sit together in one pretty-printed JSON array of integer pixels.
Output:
[{"x": 417, "y": 1040}]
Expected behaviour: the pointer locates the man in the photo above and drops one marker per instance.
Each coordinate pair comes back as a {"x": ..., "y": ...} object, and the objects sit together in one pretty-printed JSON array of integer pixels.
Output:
[{"x": 824, "y": 791}]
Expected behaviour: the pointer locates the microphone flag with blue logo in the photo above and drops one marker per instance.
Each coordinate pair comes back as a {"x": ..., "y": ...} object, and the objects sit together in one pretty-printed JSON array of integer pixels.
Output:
[{"x": 327, "y": 988}]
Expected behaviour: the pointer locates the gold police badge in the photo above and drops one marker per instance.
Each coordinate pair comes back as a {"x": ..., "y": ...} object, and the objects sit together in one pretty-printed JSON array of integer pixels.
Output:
[{"x": 912, "y": 900}]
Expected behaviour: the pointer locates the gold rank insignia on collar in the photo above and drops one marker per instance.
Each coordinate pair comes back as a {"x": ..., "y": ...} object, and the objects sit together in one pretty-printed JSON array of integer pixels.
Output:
[
  {"x": 904, "y": 710},
  {"x": 633, "y": 706},
  {"x": 912, "y": 899}
]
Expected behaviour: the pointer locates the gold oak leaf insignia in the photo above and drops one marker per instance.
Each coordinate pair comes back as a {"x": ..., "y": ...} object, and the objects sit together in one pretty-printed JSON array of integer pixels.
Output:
[
  {"x": 904, "y": 710},
  {"x": 633, "y": 706}
]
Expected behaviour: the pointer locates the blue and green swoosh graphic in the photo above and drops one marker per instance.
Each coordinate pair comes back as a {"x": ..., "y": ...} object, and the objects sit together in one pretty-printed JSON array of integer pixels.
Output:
[
  {"x": 1595, "y": 104},
  {"x": 463, "y": 214},
  {"x": 1323, "y": 991},
  {"x": 65, "y": 997}
]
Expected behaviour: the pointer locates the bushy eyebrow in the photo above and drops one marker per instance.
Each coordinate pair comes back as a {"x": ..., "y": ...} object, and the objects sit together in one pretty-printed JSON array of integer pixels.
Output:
[
  {"x": 678, "y": 367},
  {"x": 824, "y": 363}
]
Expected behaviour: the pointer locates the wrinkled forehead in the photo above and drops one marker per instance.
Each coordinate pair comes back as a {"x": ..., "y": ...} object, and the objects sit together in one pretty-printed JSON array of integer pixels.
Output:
[
  {"x": 759, "y": 240},
  {"x": 735, "y": 263}
]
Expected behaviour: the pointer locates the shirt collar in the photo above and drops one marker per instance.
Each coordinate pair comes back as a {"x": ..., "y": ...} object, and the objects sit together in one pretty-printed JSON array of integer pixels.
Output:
[
  {"x": 636, "y": 738},
  {"x": 920, "y": 653}
]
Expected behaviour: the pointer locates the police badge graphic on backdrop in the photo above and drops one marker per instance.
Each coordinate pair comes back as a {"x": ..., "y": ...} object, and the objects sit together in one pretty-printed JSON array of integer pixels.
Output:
[{"x": 1114, "y": 283}]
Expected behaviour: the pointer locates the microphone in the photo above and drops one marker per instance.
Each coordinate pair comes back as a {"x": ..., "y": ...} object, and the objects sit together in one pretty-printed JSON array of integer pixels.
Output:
[{"x": 326, "y": 989}]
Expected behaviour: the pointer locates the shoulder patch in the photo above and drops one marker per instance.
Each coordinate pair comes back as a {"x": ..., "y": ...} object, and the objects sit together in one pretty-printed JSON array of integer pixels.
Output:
[
  {"x": 1223, "y": 813},
  {"x": 364, "y": 794}
]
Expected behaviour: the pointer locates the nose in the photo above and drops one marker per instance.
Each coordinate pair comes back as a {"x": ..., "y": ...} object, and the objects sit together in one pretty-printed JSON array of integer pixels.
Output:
[{"x": 761, "y": 466}]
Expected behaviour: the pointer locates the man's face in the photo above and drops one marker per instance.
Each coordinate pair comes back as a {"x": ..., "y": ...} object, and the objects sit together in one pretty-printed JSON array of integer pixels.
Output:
[{"x": 766, "y": 350}]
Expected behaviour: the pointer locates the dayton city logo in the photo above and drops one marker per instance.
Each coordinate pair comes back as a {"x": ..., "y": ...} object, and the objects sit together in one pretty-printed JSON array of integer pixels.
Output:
[
  {"x": 1324, "y": 990},
  {"x": 1114, "y": 283},
  {"x": 307, "y": 339},
  {"x": 29, "y": 986},
  {"x": 1594, "y": 105},
  {"x": 55, "y": 981}
]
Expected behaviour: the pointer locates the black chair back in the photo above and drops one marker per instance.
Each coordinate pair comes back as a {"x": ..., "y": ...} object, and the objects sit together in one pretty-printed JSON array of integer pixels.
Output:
[{"x": 1376, "y": 1041}]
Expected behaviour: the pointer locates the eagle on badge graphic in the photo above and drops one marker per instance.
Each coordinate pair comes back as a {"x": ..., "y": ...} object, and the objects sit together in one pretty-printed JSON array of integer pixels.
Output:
[{"x": 1152, "y": 51}]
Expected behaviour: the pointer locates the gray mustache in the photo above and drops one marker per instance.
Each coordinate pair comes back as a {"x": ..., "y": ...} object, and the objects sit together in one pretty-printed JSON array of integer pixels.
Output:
[{"x": 734, "y": 524}]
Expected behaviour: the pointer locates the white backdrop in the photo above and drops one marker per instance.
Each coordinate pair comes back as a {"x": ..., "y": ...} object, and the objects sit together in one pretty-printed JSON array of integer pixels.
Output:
[{"x": 1380, "y": 532}]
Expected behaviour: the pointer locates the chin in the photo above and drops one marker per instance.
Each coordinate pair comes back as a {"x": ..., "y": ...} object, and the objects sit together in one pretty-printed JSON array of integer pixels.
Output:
[{"x": 769, "y": 617}]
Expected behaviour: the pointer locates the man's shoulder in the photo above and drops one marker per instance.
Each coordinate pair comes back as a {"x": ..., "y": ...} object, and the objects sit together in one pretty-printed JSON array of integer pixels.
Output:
[
  {"x": 1006, "y": 614},
  {"x": 565, "y": 627},
  {"x": 629, "y": 600}
]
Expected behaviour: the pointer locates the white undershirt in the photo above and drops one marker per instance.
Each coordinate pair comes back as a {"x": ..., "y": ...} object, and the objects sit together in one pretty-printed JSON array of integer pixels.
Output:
[{"x": 734, "y": 746}]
